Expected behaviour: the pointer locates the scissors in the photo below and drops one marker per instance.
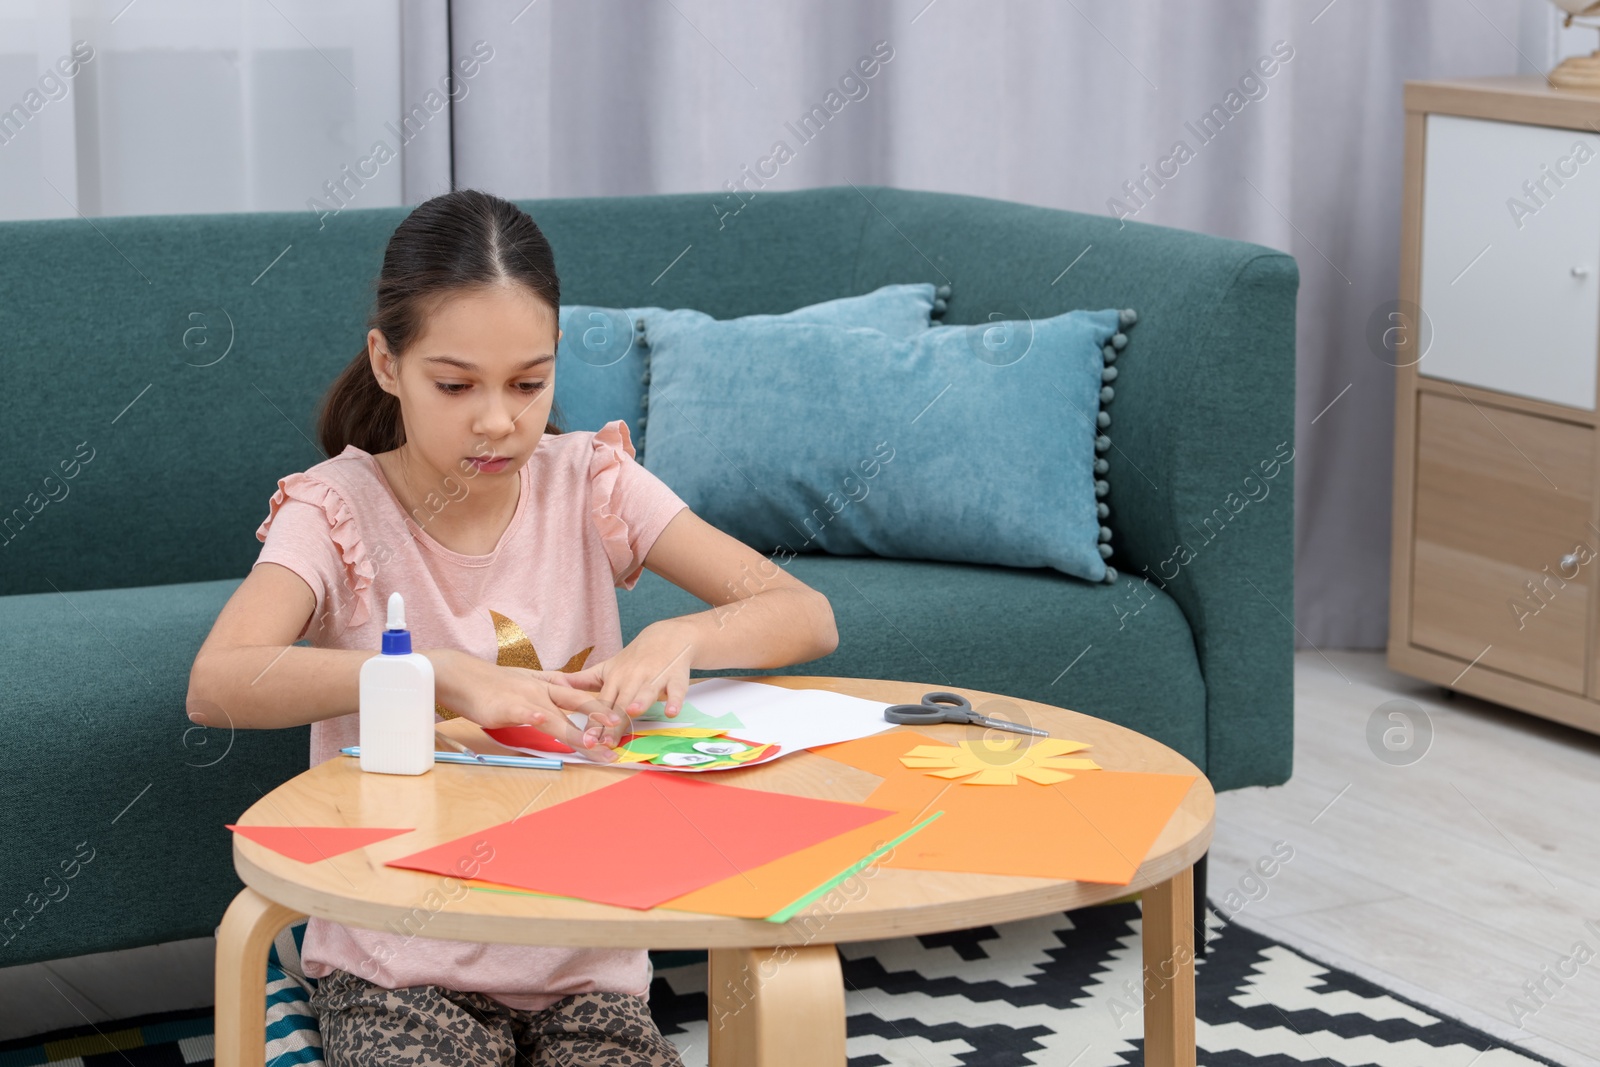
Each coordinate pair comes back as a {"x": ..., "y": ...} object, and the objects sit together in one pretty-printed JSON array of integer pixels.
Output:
[{"x": 950, "y": 707}]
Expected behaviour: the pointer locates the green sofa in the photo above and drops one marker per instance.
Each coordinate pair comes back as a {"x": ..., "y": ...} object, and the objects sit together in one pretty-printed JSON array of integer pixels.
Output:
[{"x": 161, "y": 373}]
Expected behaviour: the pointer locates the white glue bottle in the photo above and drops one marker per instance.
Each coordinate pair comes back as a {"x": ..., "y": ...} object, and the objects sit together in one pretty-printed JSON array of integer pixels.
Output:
[{"x": 397, "y": 703}]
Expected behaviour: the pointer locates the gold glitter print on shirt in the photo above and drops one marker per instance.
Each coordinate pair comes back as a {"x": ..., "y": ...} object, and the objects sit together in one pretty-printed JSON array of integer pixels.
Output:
[{"x": 516, "y": 650}]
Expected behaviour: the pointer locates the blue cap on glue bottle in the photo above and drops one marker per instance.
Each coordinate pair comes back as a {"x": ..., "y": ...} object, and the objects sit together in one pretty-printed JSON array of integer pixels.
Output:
[{"x": 396, "y": 638}]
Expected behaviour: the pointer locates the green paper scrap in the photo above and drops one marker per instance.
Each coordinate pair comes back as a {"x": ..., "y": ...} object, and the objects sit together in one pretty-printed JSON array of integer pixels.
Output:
[
  {"x": 688, "y": 715},
  {"x": 783, "y": 915}
]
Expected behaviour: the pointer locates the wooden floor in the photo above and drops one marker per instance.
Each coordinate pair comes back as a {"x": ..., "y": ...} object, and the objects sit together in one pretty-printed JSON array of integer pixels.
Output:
[{"x": 1452, "y": 880}]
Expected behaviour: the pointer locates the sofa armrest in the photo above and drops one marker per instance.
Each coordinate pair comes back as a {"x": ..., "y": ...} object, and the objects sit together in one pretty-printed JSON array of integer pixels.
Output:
[
  {"x": 1202, "y": 498},
  {"x": 1204, "y": 395}
]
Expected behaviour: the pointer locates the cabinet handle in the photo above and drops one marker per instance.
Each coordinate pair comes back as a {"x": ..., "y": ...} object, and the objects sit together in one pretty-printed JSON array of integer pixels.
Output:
[{"x": 1580, "y": 272}]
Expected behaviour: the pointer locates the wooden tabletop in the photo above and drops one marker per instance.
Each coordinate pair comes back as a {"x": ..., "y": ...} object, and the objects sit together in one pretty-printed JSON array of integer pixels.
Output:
[{"x": 453, "y": 800}]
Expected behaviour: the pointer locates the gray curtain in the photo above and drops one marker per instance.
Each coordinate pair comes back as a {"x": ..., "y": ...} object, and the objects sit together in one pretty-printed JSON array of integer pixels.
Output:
[{"x": 1050, "y": 103}]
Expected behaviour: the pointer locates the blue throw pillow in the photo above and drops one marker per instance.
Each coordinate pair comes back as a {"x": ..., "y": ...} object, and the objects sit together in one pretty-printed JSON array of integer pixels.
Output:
[
  {"x": 602, "y": 358},
  {"x": 970, "y": 443}
]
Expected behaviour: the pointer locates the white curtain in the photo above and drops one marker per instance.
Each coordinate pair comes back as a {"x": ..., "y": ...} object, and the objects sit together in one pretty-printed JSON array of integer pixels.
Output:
[
  {"x": 175, "y": 106},
  {"x": 1050, "y": 102}
]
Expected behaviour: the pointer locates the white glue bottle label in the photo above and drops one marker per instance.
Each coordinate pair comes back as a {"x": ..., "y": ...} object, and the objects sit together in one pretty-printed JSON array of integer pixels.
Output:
[{"x": 397, "y": 703}]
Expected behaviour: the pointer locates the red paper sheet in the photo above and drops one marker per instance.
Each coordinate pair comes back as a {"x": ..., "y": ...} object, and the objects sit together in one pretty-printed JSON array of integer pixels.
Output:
[
  {"x": 308, "y": 844},
  {"x": 644, "y": 840}
]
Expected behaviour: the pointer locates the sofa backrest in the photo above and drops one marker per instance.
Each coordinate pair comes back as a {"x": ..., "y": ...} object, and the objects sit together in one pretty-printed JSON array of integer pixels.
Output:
[{"x": 162, "y": 372}]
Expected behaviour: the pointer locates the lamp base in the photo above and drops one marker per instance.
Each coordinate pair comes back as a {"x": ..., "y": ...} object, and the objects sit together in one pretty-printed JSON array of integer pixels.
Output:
[{"x": 1577, "y": 72}]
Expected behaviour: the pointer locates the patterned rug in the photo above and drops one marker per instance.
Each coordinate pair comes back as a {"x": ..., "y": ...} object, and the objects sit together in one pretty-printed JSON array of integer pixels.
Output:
[{"x": 1061, "y": 990}]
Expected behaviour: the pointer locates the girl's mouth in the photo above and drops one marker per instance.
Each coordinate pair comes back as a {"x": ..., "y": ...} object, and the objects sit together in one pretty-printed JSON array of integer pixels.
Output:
[{"x": 490, "y": 464}]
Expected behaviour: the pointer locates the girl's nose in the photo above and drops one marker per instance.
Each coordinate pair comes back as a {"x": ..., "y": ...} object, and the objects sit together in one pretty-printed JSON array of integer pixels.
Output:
[{"x": 497, "y": 420}]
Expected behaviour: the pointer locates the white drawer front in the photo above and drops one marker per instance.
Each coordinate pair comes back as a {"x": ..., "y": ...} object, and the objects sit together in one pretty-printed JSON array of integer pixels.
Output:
[{"x": 1511, "y": 258}]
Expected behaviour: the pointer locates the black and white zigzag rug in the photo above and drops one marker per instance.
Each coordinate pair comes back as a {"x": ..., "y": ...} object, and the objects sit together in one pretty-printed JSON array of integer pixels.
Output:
[{"x": 1064, "y": 990}]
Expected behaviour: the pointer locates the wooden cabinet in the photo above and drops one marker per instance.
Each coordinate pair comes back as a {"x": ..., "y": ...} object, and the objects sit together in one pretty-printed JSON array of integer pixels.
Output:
[
  {"x": 1511, "y": 278},
  {"x": 1492, "y": 525},
  {"x": 1496, "y": 338}
]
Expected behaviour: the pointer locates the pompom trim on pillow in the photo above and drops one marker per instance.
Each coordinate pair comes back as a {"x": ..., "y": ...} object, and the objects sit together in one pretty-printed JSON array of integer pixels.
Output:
[
  {"x": 1102, "y": 441},
  {"x": 643, "y": 341},
  {"x": 941, "y": 301}
]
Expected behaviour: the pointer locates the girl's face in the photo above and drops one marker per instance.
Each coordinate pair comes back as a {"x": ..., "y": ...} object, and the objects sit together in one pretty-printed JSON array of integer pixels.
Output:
[{"x": 476, "y": 386}]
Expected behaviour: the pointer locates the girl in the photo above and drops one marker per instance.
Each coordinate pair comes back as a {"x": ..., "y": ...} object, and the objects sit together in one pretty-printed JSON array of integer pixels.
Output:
[{"x": 450, "y": 483}]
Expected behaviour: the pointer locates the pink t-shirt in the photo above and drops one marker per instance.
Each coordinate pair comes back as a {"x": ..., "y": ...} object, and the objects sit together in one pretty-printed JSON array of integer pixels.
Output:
[{"x": 586, "y": 517}]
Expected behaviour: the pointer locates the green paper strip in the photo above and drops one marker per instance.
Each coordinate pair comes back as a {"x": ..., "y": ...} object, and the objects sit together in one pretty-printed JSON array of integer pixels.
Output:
[{"x": 784, "y": 914}]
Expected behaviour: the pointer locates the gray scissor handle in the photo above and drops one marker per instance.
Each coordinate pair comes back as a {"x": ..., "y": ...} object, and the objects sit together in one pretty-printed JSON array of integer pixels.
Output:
[{"x": 935, "y": 707}]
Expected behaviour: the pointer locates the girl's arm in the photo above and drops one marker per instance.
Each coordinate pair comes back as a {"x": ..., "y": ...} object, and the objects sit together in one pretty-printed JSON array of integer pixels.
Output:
[
  {"x": 760, "y": 616},
  {"x": 249, "y": 674}
]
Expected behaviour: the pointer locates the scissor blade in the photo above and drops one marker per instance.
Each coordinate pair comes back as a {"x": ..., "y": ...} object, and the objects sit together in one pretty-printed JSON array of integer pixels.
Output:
[{"x": 1001, "y": 724}]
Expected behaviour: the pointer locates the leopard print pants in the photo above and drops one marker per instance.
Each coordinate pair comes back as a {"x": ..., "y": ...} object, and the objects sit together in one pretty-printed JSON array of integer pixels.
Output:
[{"x": 364, "y": 1024}]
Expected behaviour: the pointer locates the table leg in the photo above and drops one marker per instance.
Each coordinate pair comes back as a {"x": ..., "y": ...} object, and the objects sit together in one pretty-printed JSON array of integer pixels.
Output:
[
  {"x": 248, "y": 928},
  {"x": 1168, "y": 927},
  {"x": 776, "y": 1007}
]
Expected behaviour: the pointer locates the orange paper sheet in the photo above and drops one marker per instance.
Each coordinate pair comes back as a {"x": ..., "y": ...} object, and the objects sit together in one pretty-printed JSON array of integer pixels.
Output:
[
  {"x": 1096, "y": 827},
  {"x": 760, "y": 892},
  {"x": 879, "y": 754},
  {"x": 308, "y": 844}
]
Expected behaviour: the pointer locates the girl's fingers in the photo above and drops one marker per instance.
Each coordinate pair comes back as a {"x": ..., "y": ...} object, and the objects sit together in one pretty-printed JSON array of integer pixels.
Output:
[
  {"x": 585, "y": 679},
  {"x": 609, "y": 727},
  {"x": 553, "y": 723},
  {"x": 589, "y": 740},
  {"x": 644, "y": 696},
  {"x": 569, "y": 699},
  {"x": 677, "y": 686}
]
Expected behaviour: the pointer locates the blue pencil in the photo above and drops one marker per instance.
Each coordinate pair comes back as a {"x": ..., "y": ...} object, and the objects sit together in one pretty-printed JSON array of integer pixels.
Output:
[{"x": 537, "y": 762}]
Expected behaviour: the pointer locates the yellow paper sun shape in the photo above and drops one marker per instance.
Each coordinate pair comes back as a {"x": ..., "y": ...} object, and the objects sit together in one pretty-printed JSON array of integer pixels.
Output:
[{"x": 1001, "y": 762}]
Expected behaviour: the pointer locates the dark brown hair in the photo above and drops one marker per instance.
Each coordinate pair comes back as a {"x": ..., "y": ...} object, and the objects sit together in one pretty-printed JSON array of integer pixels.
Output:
[{"x": 459, "y": 240}]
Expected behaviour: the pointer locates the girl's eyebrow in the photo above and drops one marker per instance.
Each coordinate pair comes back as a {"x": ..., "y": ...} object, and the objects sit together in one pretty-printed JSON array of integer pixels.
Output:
[{"x": 464, "y": 365}]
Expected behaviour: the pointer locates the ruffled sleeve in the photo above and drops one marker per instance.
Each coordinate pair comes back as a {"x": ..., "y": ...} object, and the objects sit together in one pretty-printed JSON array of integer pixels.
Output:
[
  {"x": 340, "y": 529},
  {"x": 629, "y": 505}
]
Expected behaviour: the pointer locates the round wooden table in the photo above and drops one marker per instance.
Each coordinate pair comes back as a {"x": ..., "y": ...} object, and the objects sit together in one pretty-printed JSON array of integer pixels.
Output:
[{"x": 771, "y": 1015}]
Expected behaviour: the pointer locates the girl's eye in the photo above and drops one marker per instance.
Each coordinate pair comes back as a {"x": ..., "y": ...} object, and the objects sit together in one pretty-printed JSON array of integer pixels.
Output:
[{"x": 455, "y": 388}]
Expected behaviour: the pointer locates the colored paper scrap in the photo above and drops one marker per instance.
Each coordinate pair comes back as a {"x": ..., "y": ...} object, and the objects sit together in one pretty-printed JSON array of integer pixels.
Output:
[
  {"x": 1092, "y": 828},
  {"x": 1001, "y": 761},
  {"x": 645, "y": 839},
  {"x": 691, "y": 748},
  {"x": 688, "y": 715},
  {"x": 530, "y": 739},
  {"x": 309, "y": 844}
]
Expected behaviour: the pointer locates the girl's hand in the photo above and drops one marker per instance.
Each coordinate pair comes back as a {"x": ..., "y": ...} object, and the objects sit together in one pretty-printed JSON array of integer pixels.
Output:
[
  {"x": 493, "y": 696},
  {"x": 654, "y": 666}
]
